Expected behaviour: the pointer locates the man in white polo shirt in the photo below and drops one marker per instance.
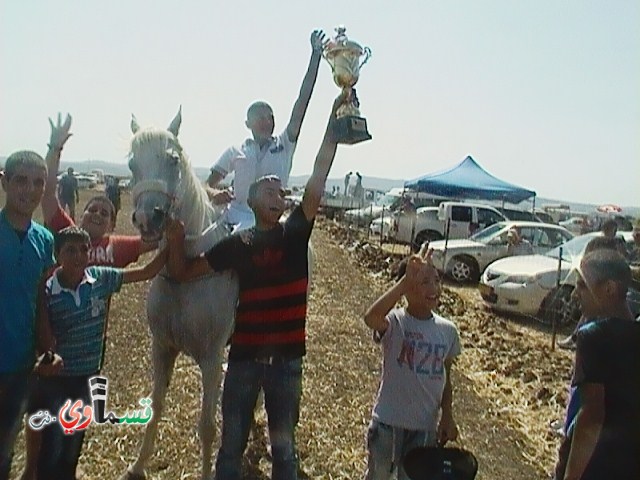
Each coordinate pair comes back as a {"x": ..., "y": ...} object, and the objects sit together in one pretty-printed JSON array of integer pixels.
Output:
[{"x": 264, "y": 154}]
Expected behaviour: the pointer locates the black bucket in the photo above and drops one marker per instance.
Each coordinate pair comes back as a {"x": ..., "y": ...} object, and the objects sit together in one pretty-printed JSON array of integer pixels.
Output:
[{"x": 437, "y": 463}]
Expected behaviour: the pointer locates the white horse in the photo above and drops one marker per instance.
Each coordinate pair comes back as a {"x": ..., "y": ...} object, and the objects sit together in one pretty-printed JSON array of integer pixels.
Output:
[{"x": 194, "y": 317}]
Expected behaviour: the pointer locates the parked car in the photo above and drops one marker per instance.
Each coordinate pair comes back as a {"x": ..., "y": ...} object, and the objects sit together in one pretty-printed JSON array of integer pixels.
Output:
[
  {"x": 87, "y": 180},
  {"x": 515, "y": 215},
  {"x": 528, "y": 285},
  {"x": 575, "y": 225},
  {"x": 388, "y": 204},
  {"x": 544, "y": 216},
  {"x": 465, "y": 260}
]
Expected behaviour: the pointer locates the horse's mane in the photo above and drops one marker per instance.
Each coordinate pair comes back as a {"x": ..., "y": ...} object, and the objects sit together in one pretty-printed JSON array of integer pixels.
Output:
[{"x": 193, "y": 207}]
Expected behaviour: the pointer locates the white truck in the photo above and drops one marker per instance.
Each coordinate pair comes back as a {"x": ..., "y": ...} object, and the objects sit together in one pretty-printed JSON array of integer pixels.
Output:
[{"x": 430, "y": 223}]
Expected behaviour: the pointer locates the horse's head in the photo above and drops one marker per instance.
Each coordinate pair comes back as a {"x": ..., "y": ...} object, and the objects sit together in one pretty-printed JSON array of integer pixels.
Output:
[{"x": 157, "y": 164}]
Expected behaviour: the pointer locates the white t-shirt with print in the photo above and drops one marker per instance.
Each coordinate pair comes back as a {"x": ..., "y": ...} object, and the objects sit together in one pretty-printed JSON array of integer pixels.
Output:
[{"x": 413, "y": 370}]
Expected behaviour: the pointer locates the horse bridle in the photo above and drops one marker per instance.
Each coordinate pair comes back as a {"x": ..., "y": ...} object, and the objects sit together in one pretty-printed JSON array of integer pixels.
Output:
[{"x": 160, "y": 186}]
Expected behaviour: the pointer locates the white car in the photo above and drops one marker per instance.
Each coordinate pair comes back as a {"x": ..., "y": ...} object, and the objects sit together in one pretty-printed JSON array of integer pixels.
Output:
[
  {"x": 538, "y": 285},
  {"x": 465, "y": 259},
  {"x": 574, "y": 225}
]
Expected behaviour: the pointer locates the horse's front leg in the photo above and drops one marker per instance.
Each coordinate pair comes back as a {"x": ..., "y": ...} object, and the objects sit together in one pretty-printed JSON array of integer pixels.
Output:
[
  {"x": 211, "y": 377},
  {"x": 163, "y": 361}
]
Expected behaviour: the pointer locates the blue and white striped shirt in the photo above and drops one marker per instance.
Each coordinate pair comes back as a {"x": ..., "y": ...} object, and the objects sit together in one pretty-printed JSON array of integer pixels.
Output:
[{"x": 77, "y": 318}]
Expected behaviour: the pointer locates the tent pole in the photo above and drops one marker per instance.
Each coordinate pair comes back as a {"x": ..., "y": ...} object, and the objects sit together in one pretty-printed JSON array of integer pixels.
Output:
[{"x": 533, "y": 209}]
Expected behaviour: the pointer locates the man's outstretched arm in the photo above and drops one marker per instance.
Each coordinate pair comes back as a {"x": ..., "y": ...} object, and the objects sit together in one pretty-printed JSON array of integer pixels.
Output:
[
  {"x": 309, "y": 81},
  {"x": 327, "y": 152}
]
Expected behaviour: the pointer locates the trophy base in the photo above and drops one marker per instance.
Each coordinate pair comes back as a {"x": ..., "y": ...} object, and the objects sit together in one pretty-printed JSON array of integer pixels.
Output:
[{"x": 351, "y": 130}]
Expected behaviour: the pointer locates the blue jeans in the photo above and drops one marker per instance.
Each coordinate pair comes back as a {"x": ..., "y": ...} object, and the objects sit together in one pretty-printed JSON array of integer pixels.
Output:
[
  {"x": 281, "y": 382},
  {"x": 387, "y": 447},
  {"x": 59, "y": 456},
  {"x": 13, "y": 400}
]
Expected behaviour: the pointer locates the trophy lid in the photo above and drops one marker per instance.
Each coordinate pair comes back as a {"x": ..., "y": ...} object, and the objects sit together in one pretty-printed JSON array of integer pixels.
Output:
[{"x": 340, "y": 43}]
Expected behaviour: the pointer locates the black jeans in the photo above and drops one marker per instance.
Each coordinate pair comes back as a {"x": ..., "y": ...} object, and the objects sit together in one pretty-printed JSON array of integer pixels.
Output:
[{"x": 60, "y": 452}]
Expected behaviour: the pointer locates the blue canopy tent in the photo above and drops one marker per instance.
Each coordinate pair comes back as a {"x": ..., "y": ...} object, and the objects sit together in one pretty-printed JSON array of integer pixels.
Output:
[{"x": 469, "y": 180}]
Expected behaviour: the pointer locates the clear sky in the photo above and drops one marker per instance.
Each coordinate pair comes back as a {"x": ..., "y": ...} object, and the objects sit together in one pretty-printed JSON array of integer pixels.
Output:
[{"x": 544, "y": 94}]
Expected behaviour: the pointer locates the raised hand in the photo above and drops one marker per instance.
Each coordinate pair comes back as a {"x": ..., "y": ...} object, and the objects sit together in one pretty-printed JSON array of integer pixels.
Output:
[
  {"x": 318, "y": 41},
  {"x": 59, "y": 132}
]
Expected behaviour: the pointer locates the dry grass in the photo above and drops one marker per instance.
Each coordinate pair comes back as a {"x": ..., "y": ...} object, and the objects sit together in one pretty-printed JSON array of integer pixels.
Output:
[{"x": 508, "y": 384}]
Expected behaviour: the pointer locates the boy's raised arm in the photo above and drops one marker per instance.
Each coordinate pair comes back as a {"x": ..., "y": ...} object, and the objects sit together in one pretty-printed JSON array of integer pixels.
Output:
[
  {"x": 59, "y": 136},
  {"x": 376, "y": 315},
  {"x": 315, "y": 185}
]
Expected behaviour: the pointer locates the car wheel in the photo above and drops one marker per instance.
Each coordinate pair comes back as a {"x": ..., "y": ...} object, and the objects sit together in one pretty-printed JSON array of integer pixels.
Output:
[
  {"x": 561, "y": 306},
  {"x": 425, "y": 236},
  {"x": 463, "y": 270}
]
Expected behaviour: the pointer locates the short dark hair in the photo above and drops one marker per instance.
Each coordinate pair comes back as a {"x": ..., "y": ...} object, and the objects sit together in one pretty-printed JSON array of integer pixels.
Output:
[
  {"x": 609, "y": 225},
  {"x": 258, "y": 106},
  {"x": 70, "y": 234},
  {"x": 253, "y": 188},
  {"x": 103, "y": 199},
  {"x": 602, "y": 243},
  {"x": 604, "y": 265},
  {"x": 26, "y": 158}
]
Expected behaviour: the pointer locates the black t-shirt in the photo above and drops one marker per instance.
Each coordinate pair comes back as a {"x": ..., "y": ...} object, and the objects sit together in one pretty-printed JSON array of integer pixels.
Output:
[
  {"x": 608, "y": 353},
  {"x": 272, "y": 270}
]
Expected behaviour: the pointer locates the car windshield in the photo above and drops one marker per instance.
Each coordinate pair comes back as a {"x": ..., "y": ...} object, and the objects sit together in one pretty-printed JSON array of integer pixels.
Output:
[
  {"x": 571, "y": 250},
  {"x": 387, "y": 200},
  {"x": 484, "y": 236}
]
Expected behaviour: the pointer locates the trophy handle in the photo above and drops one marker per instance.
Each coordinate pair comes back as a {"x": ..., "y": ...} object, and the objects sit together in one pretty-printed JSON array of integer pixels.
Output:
[{"x": 367, "y": 56}]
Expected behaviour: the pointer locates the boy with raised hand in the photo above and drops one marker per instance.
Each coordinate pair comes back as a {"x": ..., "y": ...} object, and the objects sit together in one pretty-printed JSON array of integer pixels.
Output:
[
  {"x": 414, "y": 403},
  {"x": 26, "y": 252},
  {"x": 72, "y": 310},
  {"x": 97, "y": 218},
  {"x": 268, "y": 342}
]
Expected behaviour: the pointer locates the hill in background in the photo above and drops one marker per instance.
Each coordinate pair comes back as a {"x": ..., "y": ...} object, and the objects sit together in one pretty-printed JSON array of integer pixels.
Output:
[{"x": 384, "y": 184}]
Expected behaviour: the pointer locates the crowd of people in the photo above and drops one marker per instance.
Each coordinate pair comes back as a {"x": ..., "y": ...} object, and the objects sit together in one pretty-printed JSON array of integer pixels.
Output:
[{"x": 53, "y": 331}]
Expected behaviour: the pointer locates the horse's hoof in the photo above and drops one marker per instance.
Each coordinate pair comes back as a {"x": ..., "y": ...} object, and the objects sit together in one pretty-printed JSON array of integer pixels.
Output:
[{"x": 133, "y": 476}]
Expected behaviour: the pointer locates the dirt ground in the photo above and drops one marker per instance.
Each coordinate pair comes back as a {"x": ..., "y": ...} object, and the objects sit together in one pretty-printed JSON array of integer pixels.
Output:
[{"x": 509, "y": 384}]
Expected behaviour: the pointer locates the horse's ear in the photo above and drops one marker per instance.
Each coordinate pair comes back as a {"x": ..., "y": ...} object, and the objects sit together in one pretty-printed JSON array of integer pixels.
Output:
[
  {"x": 134, "y": 124},
  {"x": 175, "y": 123}
]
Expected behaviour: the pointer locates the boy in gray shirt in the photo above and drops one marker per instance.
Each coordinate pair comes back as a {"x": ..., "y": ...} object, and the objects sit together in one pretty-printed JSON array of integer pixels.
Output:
[{"x": 413, "y": 406}]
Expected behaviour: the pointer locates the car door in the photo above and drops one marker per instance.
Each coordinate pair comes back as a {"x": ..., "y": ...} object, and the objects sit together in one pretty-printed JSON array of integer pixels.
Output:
[
  {"x": 494, "y": 249},
  {"x": 546, "y": 238},
  {"x": 460, "y": 220},
  {"x": 487, "y": 217}
]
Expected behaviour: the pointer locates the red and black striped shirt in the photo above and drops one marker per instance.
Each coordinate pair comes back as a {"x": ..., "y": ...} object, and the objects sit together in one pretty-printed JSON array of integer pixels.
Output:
[{"x": 272, "y": 269}]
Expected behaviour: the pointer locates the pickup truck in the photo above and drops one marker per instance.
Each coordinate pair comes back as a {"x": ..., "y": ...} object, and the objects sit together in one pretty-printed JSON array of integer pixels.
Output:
[{"x": 430, "y": 223}]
